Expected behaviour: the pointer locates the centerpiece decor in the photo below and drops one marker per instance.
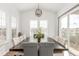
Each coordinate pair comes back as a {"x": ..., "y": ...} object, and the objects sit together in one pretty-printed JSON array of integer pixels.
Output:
[{"x": 39, "y": 35}]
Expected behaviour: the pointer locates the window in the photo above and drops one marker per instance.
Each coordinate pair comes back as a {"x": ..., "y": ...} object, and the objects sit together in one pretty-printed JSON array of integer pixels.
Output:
[
  {"x": 63, "y": 27},
  {"x": 63, "y": 22},
  {"x": 43, "y": 24},
  {"x": 35, "y": 24},
  {"x": 74, "y": 21},
  {"x": 69, "y": 29},
  {"x": 2, "y": 26},
  {"x": 74, "y": 31},
  {"x": 13, "y": 26}
]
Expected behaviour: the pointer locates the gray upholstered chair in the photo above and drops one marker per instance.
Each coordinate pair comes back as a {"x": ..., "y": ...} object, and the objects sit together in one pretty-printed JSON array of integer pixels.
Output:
[
  {"x": 46, "y": 49},
  {"x": 30, "y": 49}
]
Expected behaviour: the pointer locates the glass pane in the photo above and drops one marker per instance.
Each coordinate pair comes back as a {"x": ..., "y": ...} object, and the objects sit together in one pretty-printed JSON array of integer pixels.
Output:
[
  {"x": 43, "y": 23},
  {"x": 74, "y": 31},
  {"x": 3, "y": 20},
  {"x": 33, "y": 24},
  {"x": 63, "y": 22},
  {"x": 0, "y": 18},
  {"x": 14, "y": 26},
  {"x": 0, "y": 22},
  {"x": 74, "y": 21},
  {"x": 2, "y": 25},
  {"x": 4, "y": 33},
  {"x": 63, "y": 27},
  {"x": 13, "y": 22}
]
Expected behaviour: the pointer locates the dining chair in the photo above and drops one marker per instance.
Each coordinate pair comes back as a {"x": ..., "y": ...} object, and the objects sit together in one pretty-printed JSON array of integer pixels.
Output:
[
  {"x": 30, "y": 49},
  {"x": 46, "y": 49}
]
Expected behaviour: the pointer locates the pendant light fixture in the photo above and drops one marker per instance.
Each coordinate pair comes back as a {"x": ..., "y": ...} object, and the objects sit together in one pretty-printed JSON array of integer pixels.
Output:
[{"x": 38, "y": 11}]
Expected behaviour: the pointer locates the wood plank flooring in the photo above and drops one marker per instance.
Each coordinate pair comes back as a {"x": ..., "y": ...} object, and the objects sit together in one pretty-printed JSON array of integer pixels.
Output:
[{"x": 14, "y": 53}]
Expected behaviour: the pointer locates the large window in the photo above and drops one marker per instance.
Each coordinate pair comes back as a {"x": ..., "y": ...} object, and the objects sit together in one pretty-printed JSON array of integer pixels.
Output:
[
  {"x": 35, "y": 24},
  {"x": 13, "y": 26},
  {"x": 69, "y": 29},
  {"x": 2, "y": 26}
]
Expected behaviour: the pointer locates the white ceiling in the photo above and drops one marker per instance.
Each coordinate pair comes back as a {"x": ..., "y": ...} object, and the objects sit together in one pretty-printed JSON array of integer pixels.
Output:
[{"x": 55, "y": 7}]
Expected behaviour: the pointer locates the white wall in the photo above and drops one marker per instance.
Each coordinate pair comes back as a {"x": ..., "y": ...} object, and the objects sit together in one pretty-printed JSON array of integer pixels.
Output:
[
  {"x": 10, "y": 10},
  {"x": 51, "y": 17}
]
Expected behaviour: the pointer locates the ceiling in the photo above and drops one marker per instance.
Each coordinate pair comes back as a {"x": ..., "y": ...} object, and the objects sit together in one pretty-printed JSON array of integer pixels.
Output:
[{"x": 55, "y": 7}]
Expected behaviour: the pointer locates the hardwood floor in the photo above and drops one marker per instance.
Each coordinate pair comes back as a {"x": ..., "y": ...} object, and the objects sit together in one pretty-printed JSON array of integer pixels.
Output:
[
  {"x": 57, "y": 52},
  {"x": 15, "y": 53}
]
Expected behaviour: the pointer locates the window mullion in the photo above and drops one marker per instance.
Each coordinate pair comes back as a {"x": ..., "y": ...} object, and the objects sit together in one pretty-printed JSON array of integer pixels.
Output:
[{"x": 68, "y": 31}]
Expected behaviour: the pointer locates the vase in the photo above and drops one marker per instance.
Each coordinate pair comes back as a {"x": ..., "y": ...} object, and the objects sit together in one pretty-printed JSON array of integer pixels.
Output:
[{"x": 39, "y": 40}]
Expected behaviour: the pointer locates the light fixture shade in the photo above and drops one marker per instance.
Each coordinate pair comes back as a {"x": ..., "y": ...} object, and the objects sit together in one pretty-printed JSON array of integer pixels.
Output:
[{"x": 38, "y": 12}]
